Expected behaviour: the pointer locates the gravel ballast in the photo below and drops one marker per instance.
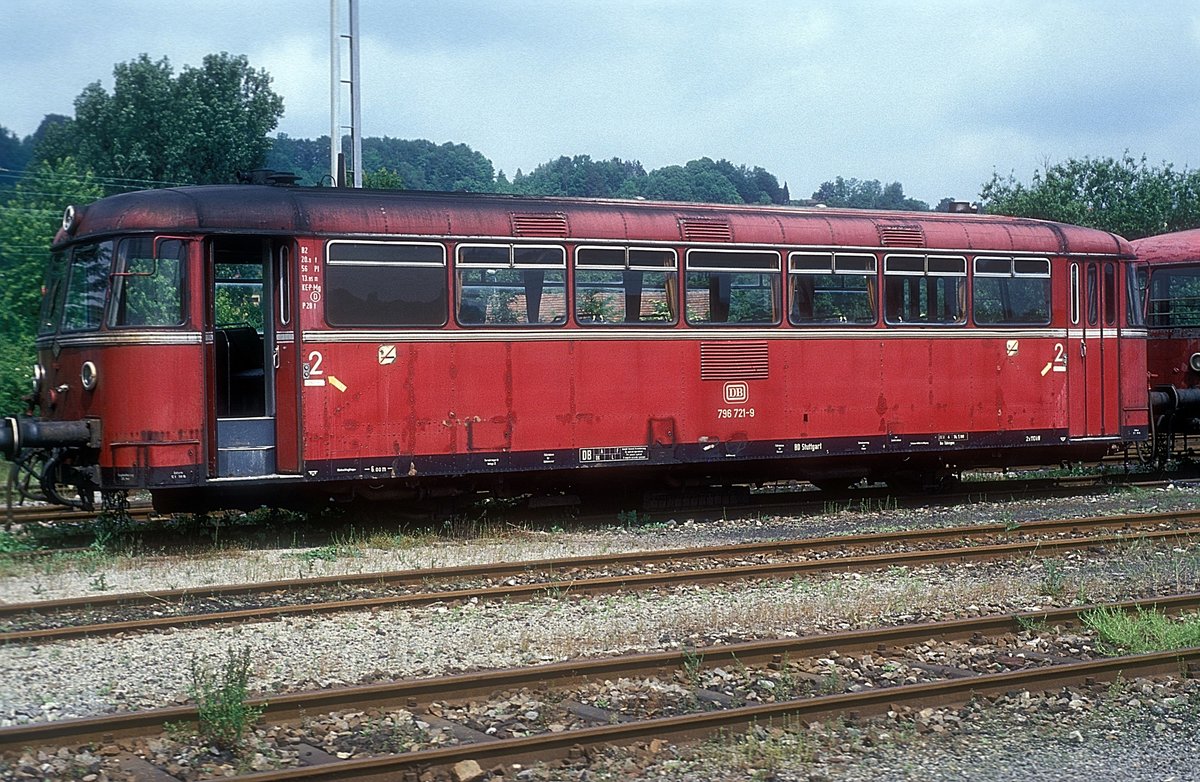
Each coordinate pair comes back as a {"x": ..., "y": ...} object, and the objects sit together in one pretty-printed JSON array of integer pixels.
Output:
[{"x": 88, "y": 677}]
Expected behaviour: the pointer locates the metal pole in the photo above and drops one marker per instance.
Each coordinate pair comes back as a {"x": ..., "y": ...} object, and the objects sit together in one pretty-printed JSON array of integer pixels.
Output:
[
  {"x": 355, "y": 102},
  {"x": 335, "y": 91}
]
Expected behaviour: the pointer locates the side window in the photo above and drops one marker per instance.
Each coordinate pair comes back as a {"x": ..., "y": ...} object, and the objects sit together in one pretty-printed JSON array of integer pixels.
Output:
[
  {"x": 728, "y": 286},
  {"x": 925, "y": 289},
  {"x": 385, "y": 284},
  {"x": 831, "y": 288},
  {"x": 1110, "y": 294},
  {"x": 505, "y": 285},
  {"x": 1011, "y": 291},
  {"x": 1075, "y": 294},
  {"x": 148, "y": 283},
  {"x": 84, "y": 306},
  {"x": 1093, "y": 295},
  {"x": 625, "y": 285}
]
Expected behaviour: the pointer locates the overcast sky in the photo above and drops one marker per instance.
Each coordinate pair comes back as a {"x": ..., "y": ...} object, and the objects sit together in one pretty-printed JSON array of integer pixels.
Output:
[{"x": 936, "y": 95}]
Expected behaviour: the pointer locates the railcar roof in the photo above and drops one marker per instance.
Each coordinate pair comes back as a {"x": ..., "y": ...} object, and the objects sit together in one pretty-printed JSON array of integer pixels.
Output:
[
  {"x": 1178, "y": 247},
  {"x": 328, "y": 212}
]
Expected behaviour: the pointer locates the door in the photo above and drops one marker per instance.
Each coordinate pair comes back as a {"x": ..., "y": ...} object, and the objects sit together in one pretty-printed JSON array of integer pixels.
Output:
[
  {"x": 287, "y": 385},
  {"x": 242, "y": 316},
  {"x": 1093, "y": 382}
]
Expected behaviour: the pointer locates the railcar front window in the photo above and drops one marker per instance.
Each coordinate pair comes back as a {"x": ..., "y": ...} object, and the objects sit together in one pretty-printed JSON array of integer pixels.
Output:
[
  {"x": 511, "y": 285},
  {"x": 386, "y": 284},
  {"x": 84, "y": 306},
  {"x": 625, "y": 285},
  {"x": 1174, "y": 298},
  {"x": 1011, "y": 292},
  {"x": 148, "y": 283},
  {"x": 732, "y": 287},
  {"x": 1135, "y": 294},
  {"x": 925, "y": 289},
  {"x": 831, "y": 289},
  {"x": 52, "y": 298}
]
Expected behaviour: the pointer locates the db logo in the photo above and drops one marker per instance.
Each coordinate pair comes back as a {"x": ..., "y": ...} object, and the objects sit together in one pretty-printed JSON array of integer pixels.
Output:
[{"x": 736, "y": 393}]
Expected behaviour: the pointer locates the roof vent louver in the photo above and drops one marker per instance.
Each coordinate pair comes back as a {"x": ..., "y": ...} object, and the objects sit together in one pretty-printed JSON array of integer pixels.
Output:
[
  {"x": 700, "y": 229},
  {"x": 901, "y": 236},
  {"x": 539, "y": 224}
]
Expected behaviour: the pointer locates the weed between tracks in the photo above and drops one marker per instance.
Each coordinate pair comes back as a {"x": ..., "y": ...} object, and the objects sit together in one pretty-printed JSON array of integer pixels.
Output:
[
  {"x": 222, "y": 714},
  {"x": 1141, "y": 632}
]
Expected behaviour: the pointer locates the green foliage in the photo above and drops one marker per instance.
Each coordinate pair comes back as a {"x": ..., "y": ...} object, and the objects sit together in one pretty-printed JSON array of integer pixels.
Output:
[
  {"x": 866, "y": 194},
  {"x": 1123, "y": 632},
  {"x": 28, "y": 220},
  {"x": 220, "y": 695},
  {"x": 578, "y": 176},
  {"x": 1125, "y": 196},
  {"x": 700, "y": 180},
  {"x": 383, "y": 179},
  {"x": 12, "y": 543},
  {"x": 390, "y": 163},
  {"x": 200, "y": 127},
  {"x": 14, "y": 156}
]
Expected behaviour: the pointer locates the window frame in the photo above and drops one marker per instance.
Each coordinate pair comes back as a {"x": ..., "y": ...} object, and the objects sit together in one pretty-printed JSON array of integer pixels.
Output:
[
  {"x": 119, "y": 280},
  {"x": 671, "y": 272},
  {"x": 1012, "y": 274},
  {"x": 513, "y": 264},
  {"x": 925, "y": 273},
  {"x": 775, "y": 269},
  {"x": 101, "y": 309},
  {"x": 330, "y": 262},
  {"x": 835, "y": 269}
]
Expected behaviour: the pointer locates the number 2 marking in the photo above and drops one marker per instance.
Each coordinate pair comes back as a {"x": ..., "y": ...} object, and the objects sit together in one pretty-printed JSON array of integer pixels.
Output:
[{"x": 315, "y": 358}]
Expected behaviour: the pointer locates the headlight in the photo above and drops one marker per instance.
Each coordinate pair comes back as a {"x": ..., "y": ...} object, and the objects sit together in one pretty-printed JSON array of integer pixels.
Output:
[
  {"x": 39, "y": 377},
  {"x": 87, "y": 374}
]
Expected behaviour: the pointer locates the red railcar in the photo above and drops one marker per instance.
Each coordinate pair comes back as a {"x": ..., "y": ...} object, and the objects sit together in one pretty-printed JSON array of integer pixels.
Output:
[
  {"x": 246, "y": 344},
  {"x": 1169, "y": 271}
]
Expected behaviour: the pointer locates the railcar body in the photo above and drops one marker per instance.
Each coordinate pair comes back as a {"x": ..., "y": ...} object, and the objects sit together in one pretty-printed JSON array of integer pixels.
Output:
[
  {"x": 1169, "y": 274},
  {"x": 232, "y": 345}
]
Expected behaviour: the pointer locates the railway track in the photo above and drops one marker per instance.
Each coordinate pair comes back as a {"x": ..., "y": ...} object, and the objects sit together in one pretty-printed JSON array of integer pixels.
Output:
[
  {"x": 448, "y": 711},
  {"x": 49, "y": 620},
  {"x": 68, "y": 527}
]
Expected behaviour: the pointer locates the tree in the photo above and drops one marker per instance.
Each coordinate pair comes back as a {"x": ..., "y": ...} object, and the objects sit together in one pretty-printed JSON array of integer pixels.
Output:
[
  {"x": 700, "y": 180},
  {"x": 14, "y": 154},
  {"x": 1126, "y": 196},
  {"x": 307, "y": 158},
  {"x": 201, "y": 127},
  {"x": 579, "y": 176},
  {"x": 866, "y": 194},
  {"x": 754, "y": 185},
  {"x": 28, "y": 221},
  {"x": 383, "y": 179},
  {"x": 423, "y": 165}
]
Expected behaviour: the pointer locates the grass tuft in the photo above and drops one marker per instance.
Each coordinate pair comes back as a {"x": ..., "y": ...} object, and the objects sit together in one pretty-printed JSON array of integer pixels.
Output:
[
  {"x": 223, "y": 714},
  {"x": 1140, "y": 632}
]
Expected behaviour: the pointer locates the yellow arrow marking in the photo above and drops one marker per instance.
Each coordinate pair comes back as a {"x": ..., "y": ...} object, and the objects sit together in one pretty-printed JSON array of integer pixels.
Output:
[{"x": 339, "y": 385}]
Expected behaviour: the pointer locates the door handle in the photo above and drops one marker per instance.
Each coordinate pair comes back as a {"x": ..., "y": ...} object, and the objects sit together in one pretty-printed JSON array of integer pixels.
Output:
[
  {"x": 275, "y": 356},
  {"x": 1082, "y": 351}
]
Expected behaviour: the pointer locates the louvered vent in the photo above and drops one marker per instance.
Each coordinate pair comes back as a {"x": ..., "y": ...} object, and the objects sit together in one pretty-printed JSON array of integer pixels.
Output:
[
  {"x": 695, "y": 229},
  {"x": 540, "y": 224},
  {"x": 901, "y": 236},
  {"x": 733, "y": 361}
]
